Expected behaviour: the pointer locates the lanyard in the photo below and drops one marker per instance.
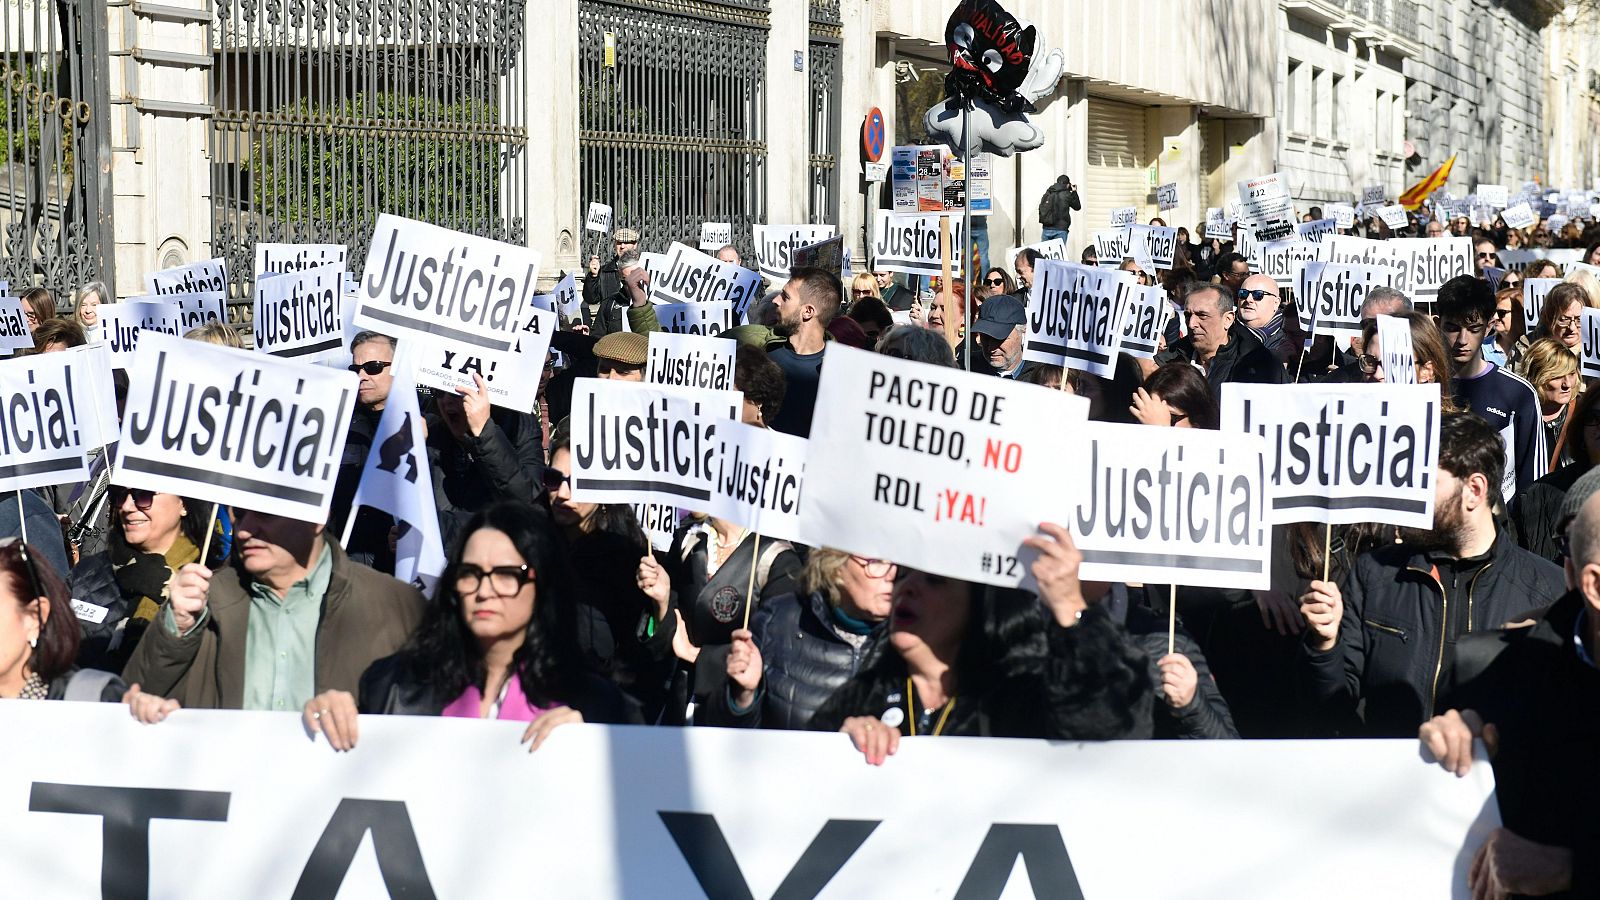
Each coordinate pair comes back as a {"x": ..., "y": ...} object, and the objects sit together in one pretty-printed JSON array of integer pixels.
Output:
[{"x": 911, "y": 712}]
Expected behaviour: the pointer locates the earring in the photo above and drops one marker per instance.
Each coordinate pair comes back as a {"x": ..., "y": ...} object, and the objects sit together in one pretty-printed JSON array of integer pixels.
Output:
[{"x": 33, "y": 643}]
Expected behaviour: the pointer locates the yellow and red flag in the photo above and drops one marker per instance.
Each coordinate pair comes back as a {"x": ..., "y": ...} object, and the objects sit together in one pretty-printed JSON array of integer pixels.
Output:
[{"x": 1419, "y": 192}]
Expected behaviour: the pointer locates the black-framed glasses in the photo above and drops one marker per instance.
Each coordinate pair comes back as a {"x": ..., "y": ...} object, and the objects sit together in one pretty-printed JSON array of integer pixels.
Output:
[
  {"x": 875, "y": 568},
  {"x": 1253, "y": 296},
  {"x": 370, "y": 367},
  {"x": 34, "y": 582},
  {"x": 142, "y": 499},
  {"x": 1368, "y": 363},
  {"x": 1178, "y": 417},
  {"x": 503, "y": 580},
  {"x": 995, "y": 282},
  {"x": 554, "y": 479}
]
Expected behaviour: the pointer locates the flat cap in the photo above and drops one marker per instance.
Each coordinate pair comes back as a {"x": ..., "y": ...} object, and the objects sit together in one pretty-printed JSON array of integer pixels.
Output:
[{"x": 626, "y": 347}]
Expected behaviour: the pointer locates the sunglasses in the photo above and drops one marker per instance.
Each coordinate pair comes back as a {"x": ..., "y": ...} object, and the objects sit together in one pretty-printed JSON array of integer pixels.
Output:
[
  {"x": 370, "y": 367},
  {"x": 1502, "y": 314},
  {"x": 858, "y": 294},
  {"x": 503, "y": 580},
  {"x": 1254, "y": 296},
  {"x": 554, "y": 479},
  {"x": 34, "y": 582},
  {"x": 1368, "y": 363},
  {"x": 142, "y": 499},
  {"x": 995, "y": 282}
]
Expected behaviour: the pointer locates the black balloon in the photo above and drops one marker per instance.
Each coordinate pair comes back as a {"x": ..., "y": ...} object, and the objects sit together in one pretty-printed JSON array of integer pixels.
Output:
[{"x": 990, "y": 54}]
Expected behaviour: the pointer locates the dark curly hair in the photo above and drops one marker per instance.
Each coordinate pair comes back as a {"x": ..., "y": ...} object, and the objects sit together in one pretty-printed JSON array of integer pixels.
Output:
[
  {"x": 760, "y": 379},
  {"x": 443, "y": 654}
]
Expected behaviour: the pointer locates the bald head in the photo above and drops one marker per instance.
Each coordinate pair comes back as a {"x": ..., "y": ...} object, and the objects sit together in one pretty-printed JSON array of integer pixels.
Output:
[
  {"x": 1258, "y": 313},
  {"x": 1583, "y": 566}
]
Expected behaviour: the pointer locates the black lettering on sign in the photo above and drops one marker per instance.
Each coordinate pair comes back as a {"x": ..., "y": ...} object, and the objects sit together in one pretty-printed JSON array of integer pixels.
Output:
[
  {"x": 705, "y": 849},
  {"x": 309, "y": 313},
  {"x": 1042, "y": 850},
  {"x": 1357, "y": 447},
  {"x": 462, "y": 283},
  {"x": 394, "y": 842},
  {"x": 38, "y": 418},
  {"x": 765, "y": 483},
  {"x": 655, "y": 451}
]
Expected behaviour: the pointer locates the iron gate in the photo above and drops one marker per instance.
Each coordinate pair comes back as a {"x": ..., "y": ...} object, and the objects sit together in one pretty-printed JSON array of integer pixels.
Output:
[
  {"x": 329, "y": 112},
  {"x": 672, "y": 122},
  {"x": 56, "y": 203},
  {"x": 825, "y": 72}
]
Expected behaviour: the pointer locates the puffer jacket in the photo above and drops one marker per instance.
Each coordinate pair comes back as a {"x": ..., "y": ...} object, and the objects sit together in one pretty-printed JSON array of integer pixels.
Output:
[
  {"x": 1536, "y": 511},
  {"x": 805, "y": 657},
  {"x": 1404, "y": 611}
]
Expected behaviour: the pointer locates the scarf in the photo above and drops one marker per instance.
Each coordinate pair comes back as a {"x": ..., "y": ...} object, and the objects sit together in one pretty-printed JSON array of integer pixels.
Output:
[
  {"x": 34, "y": 688},
  {"x": 145, "y": 575}
]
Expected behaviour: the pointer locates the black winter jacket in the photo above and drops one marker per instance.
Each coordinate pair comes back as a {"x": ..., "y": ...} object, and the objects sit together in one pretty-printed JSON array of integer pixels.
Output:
[
  {"x": 1207, "y": 714},
  {"x": 504, "y": 462},
  {"x": 387, "y": 689},
  {"x": 805, "y": 658},
  {"x": 1243, "y": 359},
  {"x": 1404, "y": 611},
  {"x": 1536, "y": 510},
  {"x": 1057, "y": 204}
]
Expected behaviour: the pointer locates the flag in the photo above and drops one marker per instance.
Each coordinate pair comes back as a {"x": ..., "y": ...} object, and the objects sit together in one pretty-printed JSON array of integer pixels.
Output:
[
  {"x": 1419, "y": 192},
  {"x": 397, "y": 480}
]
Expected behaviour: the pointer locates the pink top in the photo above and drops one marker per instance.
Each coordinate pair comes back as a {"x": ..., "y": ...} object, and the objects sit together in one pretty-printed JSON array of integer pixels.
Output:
[{"x": 512, "y": 705}]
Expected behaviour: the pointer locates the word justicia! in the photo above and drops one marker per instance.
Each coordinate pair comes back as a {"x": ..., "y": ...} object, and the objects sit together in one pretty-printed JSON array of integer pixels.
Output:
[
  {"x": 665, "y": 438},
  {"x": 460, "y": 284},
  {"x": 1195, "y": 500}
]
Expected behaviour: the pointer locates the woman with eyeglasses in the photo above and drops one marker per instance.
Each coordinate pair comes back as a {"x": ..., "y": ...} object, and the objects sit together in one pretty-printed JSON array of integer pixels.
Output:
[
  {"x": 1508, "y": 325},
  {"x": 973, "y": 660},
  {"x": 996, "y": 282},
  {"x": 1552, "y": 369},
  {"x": 497, "y": 642},
  {"x": 123, "y": 588},
  {"x": 1427, "y": 350},
  {"x": 865, "y": 284},
  {"x": 1536, "y": 510},
  {"x": 801, "y": 648},
  {"x": 1560, "y": 318}
]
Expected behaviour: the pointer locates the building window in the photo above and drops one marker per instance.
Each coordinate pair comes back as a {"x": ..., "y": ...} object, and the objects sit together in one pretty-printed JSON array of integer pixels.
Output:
[
  {"x": 1291, "y": 88},
  {"x": 1336, "y": 106},
  {"x": 1313, "y": 123}
]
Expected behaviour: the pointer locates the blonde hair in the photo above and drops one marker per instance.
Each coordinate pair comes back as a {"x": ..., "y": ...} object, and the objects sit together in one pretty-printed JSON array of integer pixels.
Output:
[
  {"x": 864, "y": 281},
  {"x": 823, "y": 571},
  {"x": 1548, "y": 358},
  {"x": 220, "y": 333},
  {"x": 1591, "y": 286}
]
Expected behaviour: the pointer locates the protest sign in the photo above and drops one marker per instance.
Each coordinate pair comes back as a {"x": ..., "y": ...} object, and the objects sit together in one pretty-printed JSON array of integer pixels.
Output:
[
  {"x": 209, "y": 275},
  {"x": 1217, "y": 224},
  {"x": 1152, "y": 246},
  {"x": 1167, "y": 196},
  {"x": 1396, "y": 353},
  {"x": 1591, "y": 342},
  {"x": 563, "y": 299},
  {"x": 694, "y": 277},
  {"x": 1315, "y": 231},
  {"x": 1394, "y": 216},
  {"x": 1265, "y": 204},
  {"x": 910, "y": 243},
  {"x": 1575, "y": 267},
  {"x": 715, "y": 235},
  {"x": 47, "y": 421},
  {"x": 598, "y": 218},
  {"x": 690, "y": 361},
  {"x": 1055, "y": 248},
  {"x": 300, "y": 314},
  {"x": 1333, "y": 293},
  {"x": 1534, "y": 291},
  {"x": 760, "y": 474},
  {"x": 1493, "y": 195},
  {"x": 659, "y": 521},
  {"x": 1494, "y": 276},
  {"x": 828, "y": 253},
  {"x": 707, "y": 319},
  {"x": 194, "y": 309},
  {"x": 297, "y": 257},
  {"x": 423, "y": 280},
  {"x": 1246, "y": 245},
  {"x": 92, "y": 367},
  {"x": 1343, "y": 453},
  {"x": 123, "y": 323},
  {"x": 776, "y": 244},
  {"x": 948, "y": 471},
  {"x": 233, "y": 426},
  {"x": 264, "y": 812},
  {"x": 1372, "y": 195},
  {"x": 511, "y": 376},
  {"x": 14, "y": 331},
  {"x": 1519, "y": 215},
  {"x": 1123, "y": 216},
  {"x": 1075, "y": 317},
  {"x": 1173, "y": 506},
  {"x": 1145, "y": 321},
  {"x": 1282, "y": 259},
  {"x": 1421, "y": 265},
  {"x": 1111, "y": 247},
  {"x": 647, "y": 443},
  {"x": 1518, "y": 260},
  {"x": 1344, "y": 215}
]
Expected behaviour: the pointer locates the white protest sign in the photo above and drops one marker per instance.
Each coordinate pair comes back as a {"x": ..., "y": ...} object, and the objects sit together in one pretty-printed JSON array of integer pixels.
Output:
[
  {"x": 1332, "y": 293},
  {"x": 659, "y": 521},
  {"x": 1519, "y": 216},
  {"x": 1111, "y": 247},
  {"x": 759, "y": 480},
  {"x": 563, "y": 299},
  {"x": 647, "y": 443},
  {"x": 1534, "y": 291},
  {"x": 300, "y": 314},
  {"x": 707, "y": 319},
  {"x": 1145, "y": 321},
  {"x": 715, "y": 235},
  {"x": 910, "y": 243},
  {"x": 1591, "y": 342},
  {"x": 1519, "y": 260},
  {"x": 14, "y": 331},
  {"x": 1343, "y": 453},
  {"x": 1575, "y": 267},
  {"x": 598, "y": 218},
  {"x": 1372, "y": 195},
  {"x": 234, "y": 426},
  {"x": 1421, "y": 265},
  {"x": 47, "y": 421},
  {"x": 1494, "y": 276},
  {"x": 1152, "y": 246},
  {"x": 1394, "y": 216},
  {"x": 947, "y": 471},
  {"x": 423, "y": 280},
  {"x": 1123, "y": 216},
  {"x": 1395, "y": 351},
  {"x": 1245, "y": 244},
  {"x": 690, "y": 361},
  {"x": 92, "y": 368},
  {"x": 1265, "y": 203},
  {"x": 1316, "y": 231},
  {"x": 209, "y": 275},
  {"x": 1344, "y": 215},
  {"x": 690, "y": 276},
  {"x": 1055, "y": 248},
  {"x": 194, "y": 309},
  {"x": 1494, "y": 195},
  {"x": 1282, "y": 259},
  {"x": 775, "y": 245},
  {"x": 1173, "y": 506},
  {"x": 511, "y": 376},
  {"x": 297, "y": 257},
  {"x": 124, "y": 323},
  {"x": 1167, "y": 196},
  {"x": 1075, "y": 317},
  {"x": 1217, "y": 224}
]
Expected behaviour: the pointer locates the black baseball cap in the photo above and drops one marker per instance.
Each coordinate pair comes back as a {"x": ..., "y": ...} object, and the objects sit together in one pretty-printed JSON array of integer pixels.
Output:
[{"x": 999, "y": 315}]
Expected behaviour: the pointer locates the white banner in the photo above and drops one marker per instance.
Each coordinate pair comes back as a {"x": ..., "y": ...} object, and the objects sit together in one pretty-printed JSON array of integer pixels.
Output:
[
  {"x": 91, "y": 365},
  {"x": 659, "y": 521},
  {"x": 1112, "y": 246},
  {"x": 1316, "y": 231},
  {"x": 1055, "y": 248},
  {"x": 707, "y": 319},
  {"x": 1266, "y": 204},
  {"x": 715, "y": 235},
  {"x": 647, "y": 443},
  {"x": 1494, "y": 195},
  {"x": 1145, "y": 321},
  {"x": 691, "y": 361},
  {"x": 233, "y": 426},
  {"x": 209, "y": 275},
  {"x": 1167, "y": 196},
  {"x": 512, "y": 377},
  {"x": 1343, "y": 453},
  {"x": 121, "y": 324},
  {"x": 760, "y": 479},
  {"x": 297, "y": 257},
  {"x": 1344, "y": 215},
  {"x": 46, "y": 422},
  {"x": 1332, "y": 294},
  {"x": 423, "y": 280},
  {"x": 14, "y": 331},
  {"x": 1123, "y": 216},
  {"x": 1396, "y": 352},
  {"x": 1534, "y": 290},
  {"x": 947, "y": 471},
  {"x": 1173, "y": 506},
  {"x": 1518, "y": 260},
  {"x": 598, "y": 219},
  {"x": 910, "y": 243},
  {"x": 1152, "y": 246},
  {"x": 1394, "y": 216},
  {"x": 1282, "y": 259},
  {"x": 241, "y": 804},
  {"x": 1591, "y": 342},
  {"x": 1519, "y": 216},
  {"x": 300, "y": 314},
  {"x": 775, "y": 245},
  {"x": 1421, "y": 265},
  {"x": 690, "y": 276},
  {"x": 1217, "y": 224},
  {"x": 1372, "y": 195},
  {"x": 563, "y": 299},
  {"x": 1075, "y": 317}
]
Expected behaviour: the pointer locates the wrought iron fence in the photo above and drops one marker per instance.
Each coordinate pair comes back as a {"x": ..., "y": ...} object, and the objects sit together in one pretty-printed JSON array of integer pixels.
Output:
[
  {"x": 55, "y": 206},
  {"x": 824, "y": 156},
  {"x": 671, "y": 111},
  {"x": 330, "y": 112}
]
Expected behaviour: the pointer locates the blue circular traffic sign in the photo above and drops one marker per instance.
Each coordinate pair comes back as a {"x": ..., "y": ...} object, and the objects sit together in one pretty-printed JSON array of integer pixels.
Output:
[{"x": 872, "y": 135}]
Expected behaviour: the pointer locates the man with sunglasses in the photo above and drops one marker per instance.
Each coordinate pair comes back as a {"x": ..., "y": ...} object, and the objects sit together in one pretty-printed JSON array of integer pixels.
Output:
[
  {"x": 289, "y": 617},
  {"x": 1261, "y": 310},
  {"x": 372, "y": 359},
  {"x": 1483, "y": 253},
  {"x": 1225, "y": 350}
]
